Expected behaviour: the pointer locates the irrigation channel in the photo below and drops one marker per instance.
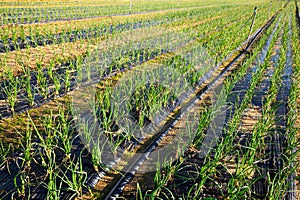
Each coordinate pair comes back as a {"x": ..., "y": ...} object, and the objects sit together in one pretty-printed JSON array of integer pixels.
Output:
[{"x": 250, "y": 86}]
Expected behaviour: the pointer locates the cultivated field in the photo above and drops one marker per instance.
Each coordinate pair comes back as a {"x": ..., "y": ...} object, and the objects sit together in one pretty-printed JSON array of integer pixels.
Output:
[{"x": 137, "y": 99}]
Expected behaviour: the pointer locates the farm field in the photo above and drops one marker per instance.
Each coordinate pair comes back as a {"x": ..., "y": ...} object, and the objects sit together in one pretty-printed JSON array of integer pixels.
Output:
[{"x": 136, "y": 99}]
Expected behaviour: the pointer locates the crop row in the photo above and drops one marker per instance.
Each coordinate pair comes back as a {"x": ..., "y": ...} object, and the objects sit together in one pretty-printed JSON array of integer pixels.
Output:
[
  {"x": 130, "y": 136},
  {"x": 33, "y": 87},
  {"x": 42, "y": 14},
  {"x": 7, "y": 58},
  {"x": 21, "y": 38},
  {"x": 33, "y": 56},
  {"x": 50, "y": 142},
  {"x": 15, "y": 31},
  {"x": 261, "y": 166},
  {"x": 206, "y": 115},
  {"x": 38, "y": 15},
  {"x": 38, "y": 81},
  {"x": 29, "y": 56},
  {"x": 40, "y": 40}
]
